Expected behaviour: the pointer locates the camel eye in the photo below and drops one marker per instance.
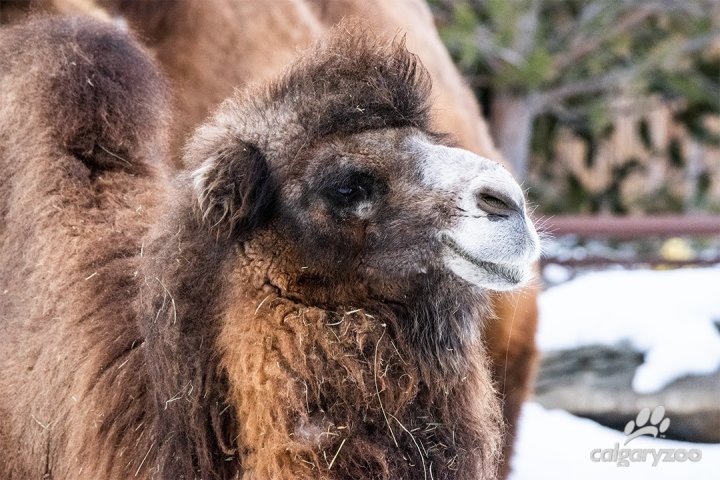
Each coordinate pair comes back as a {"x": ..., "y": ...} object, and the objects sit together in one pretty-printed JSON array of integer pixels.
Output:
[
  {"x": 348, "y": 195},
  {"x": 354, "y": 192},
  {"x": 345, "y": 191},
  {"x": 349, "y": 190}
]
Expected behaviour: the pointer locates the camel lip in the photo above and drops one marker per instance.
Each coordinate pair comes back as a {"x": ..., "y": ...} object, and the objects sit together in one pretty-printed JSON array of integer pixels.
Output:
[{"x": 507, "y": 271}]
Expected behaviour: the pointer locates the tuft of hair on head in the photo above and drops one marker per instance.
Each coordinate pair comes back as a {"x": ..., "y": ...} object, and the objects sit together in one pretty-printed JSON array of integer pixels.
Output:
[{"x": 354, "y": 81}]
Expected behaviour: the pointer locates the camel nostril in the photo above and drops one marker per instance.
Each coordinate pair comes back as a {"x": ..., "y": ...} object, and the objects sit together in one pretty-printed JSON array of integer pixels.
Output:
[{"x": 496, "y": 203}]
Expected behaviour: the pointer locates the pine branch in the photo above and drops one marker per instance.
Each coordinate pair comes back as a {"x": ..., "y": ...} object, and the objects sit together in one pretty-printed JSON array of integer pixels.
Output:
[
  {"x": 582, "y": 46},
  {"x": 664, "y": 56},
  {"x": 526, "y": 29},
  {"x": 587, "y": 86},
  {"x": 624, "y": 17},
  {"x": 493, "y": 52}
]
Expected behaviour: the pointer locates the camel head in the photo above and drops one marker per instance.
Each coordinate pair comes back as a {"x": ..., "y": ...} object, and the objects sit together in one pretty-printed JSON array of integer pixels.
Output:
[{"x": 338, "y": 160}]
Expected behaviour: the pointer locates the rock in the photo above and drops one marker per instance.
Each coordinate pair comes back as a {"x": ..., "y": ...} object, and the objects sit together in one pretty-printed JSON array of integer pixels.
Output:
[{"x": 595, "y": 382}]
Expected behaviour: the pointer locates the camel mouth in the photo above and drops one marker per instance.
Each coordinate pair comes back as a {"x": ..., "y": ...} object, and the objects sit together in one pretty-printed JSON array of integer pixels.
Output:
[{"x": 510, "y": 275}]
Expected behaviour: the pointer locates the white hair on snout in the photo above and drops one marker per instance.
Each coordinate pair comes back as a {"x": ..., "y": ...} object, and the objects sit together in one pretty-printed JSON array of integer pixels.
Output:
[{"x": 481, "y": 247}]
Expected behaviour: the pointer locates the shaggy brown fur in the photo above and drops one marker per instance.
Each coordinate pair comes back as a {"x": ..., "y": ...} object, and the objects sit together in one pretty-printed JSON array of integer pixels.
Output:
[
  {"x": 260, "y": 37},
  {"x": 81, "y": 128},
  {"x": 208, "y": 48},
  {"x": 147, "y": 334}
]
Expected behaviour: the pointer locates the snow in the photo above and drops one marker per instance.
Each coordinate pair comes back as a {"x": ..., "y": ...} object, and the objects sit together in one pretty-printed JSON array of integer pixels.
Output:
[
  {"x": 666, "y": 314},
  {"x": 552, "y": 444},
  {"x": 554, "y": 274},
  {"x": 669, "y": 315}
]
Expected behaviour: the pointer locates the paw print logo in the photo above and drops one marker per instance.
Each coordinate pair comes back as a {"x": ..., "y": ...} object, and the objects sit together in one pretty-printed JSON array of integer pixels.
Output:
[{"x": 658, "y": 423}]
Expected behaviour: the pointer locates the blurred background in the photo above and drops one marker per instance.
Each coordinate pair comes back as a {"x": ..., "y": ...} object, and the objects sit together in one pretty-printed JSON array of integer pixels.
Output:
[{"x": 609, "y": 112}]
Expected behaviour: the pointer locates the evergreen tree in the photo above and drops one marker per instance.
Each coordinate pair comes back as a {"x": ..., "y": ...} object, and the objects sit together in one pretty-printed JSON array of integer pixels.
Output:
[{"x": 535, "y": 64}]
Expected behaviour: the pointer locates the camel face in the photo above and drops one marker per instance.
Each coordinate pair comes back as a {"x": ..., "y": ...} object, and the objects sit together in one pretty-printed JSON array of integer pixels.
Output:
[{"x": 396, "y": 203}]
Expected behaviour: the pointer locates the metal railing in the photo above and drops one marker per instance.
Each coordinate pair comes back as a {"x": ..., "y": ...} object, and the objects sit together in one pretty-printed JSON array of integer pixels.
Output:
[
  {"x": 606, "y": 226},
  {"x": 633, "y": 228}
]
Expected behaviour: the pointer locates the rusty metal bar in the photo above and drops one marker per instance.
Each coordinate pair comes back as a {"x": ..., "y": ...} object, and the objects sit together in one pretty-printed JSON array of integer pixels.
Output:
[
  {"x": 634, "y": 262},
  {"x": 631, "y": 227}
]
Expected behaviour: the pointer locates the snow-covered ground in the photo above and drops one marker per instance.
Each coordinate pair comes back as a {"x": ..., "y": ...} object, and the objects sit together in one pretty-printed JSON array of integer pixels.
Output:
[
  {"x": 554, "y": 445},
  {"x": 668, "y": 315}
]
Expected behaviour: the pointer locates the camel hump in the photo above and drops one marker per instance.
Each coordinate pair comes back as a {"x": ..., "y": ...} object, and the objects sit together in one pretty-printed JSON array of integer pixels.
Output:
[{"x": 87, "y": 84}]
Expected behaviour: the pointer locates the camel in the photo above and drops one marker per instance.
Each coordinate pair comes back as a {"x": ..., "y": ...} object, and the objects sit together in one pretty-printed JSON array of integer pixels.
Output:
[
  {"x": 305, "y": 300},
  {"x": 209, "y": 48},
  {"x": 260, "y": 38}
]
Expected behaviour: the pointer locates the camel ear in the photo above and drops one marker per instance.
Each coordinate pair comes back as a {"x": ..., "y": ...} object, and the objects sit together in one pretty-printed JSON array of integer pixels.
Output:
[{"x": 234, "y": 189}]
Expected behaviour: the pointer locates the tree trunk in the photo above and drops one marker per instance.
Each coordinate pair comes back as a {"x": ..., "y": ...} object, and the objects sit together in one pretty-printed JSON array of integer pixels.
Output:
[
  {"x": 693, "y": 171},
  {"x": 511, "y": 126}
]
